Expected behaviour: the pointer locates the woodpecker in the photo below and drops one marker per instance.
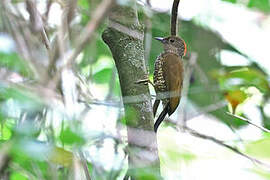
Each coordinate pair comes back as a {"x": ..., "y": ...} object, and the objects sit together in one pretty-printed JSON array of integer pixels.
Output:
[{"x": 168, "y": 76}]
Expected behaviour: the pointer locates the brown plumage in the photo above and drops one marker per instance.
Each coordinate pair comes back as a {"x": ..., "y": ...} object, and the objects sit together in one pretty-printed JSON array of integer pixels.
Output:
[{"x": 168, "y": 76}]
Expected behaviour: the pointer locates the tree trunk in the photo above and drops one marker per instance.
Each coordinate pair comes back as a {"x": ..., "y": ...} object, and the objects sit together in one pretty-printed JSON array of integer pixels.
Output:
[{"x": 124, "y": 36}]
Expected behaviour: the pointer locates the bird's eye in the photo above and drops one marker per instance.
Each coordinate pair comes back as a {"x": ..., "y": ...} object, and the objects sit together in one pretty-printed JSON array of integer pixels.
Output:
[{"x": 172, "y": 40}]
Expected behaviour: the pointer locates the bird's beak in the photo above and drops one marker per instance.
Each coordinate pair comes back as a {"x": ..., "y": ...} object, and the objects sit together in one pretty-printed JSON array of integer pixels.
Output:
[{"x": 159, "y": 39}]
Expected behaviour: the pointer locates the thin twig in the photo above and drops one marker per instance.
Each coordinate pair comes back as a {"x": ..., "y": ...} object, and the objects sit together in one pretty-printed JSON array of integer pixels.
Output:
[
  {"x": 249, "y": 122},
  {"x": 36, "y": 22},
  {"x": 71, "y": 7},
  {"x": 35, "y": 17},
  {"x": 37, "y": 171},
  {"x": 85, "y": 167},
  {"x": 219, "y": 142},
  {"x": 188, "y": 73},
  {"x": 4, "y": 156},
  {"x": 48, "y": 7},
  {"x": 111, "y": 84},
  {"x": 22, "y": 44},
  {"x": 87, "y": 34},
  {"x": 148, "y": 34},
  {"x": 88, "y": 31},
  {"x": 148, "y": 3},
  {"x": 45, "y": 39}
]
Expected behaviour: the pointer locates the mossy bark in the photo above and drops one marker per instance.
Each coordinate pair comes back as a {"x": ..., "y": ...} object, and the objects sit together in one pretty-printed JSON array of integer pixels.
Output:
[{"x": 124, "y": 36}]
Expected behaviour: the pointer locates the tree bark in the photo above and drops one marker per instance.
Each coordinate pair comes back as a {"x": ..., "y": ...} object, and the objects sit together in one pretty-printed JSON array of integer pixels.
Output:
[{"x": 124, "y": 36}]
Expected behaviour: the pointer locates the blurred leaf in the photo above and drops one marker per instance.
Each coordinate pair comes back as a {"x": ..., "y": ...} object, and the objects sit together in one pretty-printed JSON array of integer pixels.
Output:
[
  {"x": 5, "y": 132},
  {"x": 15, "y": 175},
  {"x": 17, "y": 1},
  {"x": 103, "y": 76},
  {"x": 27, "y": 99},
  {"x": 97, "y": 52},
  {"x": 102, "y": 62},
  {"x": 30, "y": 149},
  {"x": 61, "y": 156},
  {"x": 251, "y": 77},
  {"x": 259, "y": 148},
  {"x": 241, "y": 77},
  {"x": 235, "y": 98},
  {"x": 263, "y": 5},
  {"x": 85, "y": 12},
  {"x": 30, "y": 154},
  {"x": 14, "y": 63},
  {"x": 130, "y": 117},
  {"x": 122, "y": 120},
  {"x": 67, "y": 136},
  {"x": 83, "y": 3},
  {"x": 262, "y": 173},
  {"x": 232, "y": 1},
  {"x": 27, "y": 129},
  {"x": 2, "y": 115},
  {"x": 117, "y": 89},
  {"x": 145, "y": 174},
  {"x": 170, "y": 152}
]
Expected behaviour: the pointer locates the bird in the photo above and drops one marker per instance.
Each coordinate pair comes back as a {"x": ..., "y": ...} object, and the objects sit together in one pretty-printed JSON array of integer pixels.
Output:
[{"x": 168, "y": 76}]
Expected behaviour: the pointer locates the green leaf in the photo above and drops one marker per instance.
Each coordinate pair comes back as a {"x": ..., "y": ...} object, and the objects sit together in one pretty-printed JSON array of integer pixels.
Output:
[
  {"x": 14, "y": 63},
  {"x": 251, "y": 77},
  {"x": 231, "y": 1},
  {"x": 5, "y": 132},
  {"x": 28, "y": 129},
  {"x": 15, "y": 175},
  {"x": 242, "y": 77},
  {"x": 263, "y": 173},
  {"x": 61, "y": 156},
  {"x": 67, "y": 136},
  {"x": 27, "y": 99},
  {"x": 117, "y": 89},
  {"x": 103, "y": 76},
  {"x": 17, "y": 1},
  {"x": 29, "y": 149},
  {"x": 171, "y": 153},
  {"x": 145, "y": 173},
  {"x": 83, "y": 3},
  {"x": 27, "y": 152},
  {"x": 263, "y": 5},
  {"x": 259, "y": 148}
]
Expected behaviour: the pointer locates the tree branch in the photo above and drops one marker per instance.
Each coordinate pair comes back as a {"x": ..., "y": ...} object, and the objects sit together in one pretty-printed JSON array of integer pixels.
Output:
[
  {"x": 219, "y": 142},
  {"x": 36, "y": 22},
  {"x": 174, "y": 18},
  {"x": 124, "y": 36},
  {"x": 249, "y": 122},
  {"x": 86, "y": 35}
]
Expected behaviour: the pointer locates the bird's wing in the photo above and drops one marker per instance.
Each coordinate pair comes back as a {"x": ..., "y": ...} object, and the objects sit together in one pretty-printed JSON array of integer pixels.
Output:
[{"x": 173, "y": 75}]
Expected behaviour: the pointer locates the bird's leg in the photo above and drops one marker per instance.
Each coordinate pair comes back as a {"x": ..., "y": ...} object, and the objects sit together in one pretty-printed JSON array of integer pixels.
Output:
[{"x": 145, "y": 81}]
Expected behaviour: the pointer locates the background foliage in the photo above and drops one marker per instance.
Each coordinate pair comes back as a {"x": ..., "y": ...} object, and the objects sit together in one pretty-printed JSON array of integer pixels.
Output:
[{"x": 58, "y": 125}]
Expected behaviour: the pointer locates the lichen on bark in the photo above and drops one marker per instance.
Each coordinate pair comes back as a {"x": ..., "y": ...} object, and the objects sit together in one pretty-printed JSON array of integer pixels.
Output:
[
  {"x": 124, "y": 36},
  {"x": 128, "y": 54}
]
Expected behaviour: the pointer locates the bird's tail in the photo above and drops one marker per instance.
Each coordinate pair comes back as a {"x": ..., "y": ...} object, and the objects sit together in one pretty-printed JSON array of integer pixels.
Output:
[
  {"x": 161, "y": 117},
  {"x": 155, "y": 106}
]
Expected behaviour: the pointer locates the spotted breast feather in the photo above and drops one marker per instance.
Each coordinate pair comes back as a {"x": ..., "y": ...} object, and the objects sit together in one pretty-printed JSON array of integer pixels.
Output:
[{"x": 168, "y": 80}]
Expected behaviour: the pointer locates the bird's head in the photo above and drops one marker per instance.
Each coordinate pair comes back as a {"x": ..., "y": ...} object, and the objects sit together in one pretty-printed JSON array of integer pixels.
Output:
[{"x": 173, "y": 44}]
